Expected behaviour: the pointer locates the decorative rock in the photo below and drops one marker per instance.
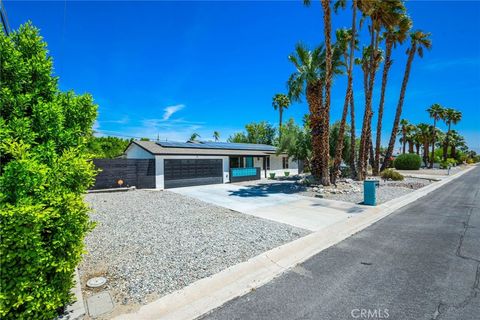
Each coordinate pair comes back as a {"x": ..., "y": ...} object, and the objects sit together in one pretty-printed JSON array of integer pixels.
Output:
[{"x": 96, "y": 282}]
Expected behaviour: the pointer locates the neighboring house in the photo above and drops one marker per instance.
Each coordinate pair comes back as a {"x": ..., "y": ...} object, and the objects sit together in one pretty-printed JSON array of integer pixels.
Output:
[{"x": 179, "y": 164}]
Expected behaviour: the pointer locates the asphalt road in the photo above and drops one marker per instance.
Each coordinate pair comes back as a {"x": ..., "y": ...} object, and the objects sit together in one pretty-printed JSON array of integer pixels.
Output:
[{"x": 421, "y": 262}]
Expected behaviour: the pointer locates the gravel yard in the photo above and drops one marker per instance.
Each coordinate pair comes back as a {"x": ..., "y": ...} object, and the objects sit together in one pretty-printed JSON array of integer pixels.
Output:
[
  {"x": 150, "y": 243},
  {"x": 352, "y": 191}
]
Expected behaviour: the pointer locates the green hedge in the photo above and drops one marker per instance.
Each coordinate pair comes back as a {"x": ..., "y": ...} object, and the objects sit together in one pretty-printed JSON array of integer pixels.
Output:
[
  {"x": 407, "y": 161},
  {"x": 45, "y": 170}
]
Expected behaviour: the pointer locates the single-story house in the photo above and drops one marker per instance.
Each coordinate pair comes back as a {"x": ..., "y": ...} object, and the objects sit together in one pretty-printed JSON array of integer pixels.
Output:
[{"x": 179, "y": 164}]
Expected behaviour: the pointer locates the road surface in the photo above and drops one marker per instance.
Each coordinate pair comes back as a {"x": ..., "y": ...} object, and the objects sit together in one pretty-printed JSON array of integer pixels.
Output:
[{"x": 421, "y": 262}]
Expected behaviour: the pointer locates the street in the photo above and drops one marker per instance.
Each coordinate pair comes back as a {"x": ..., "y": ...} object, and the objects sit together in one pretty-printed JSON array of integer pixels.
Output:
[{"x": 421, "y": 262}]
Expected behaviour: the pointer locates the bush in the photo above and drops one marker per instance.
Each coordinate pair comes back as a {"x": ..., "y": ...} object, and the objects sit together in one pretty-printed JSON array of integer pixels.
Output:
[
  {"x": 450, "y": 162},
  {"x": 272, "y": 175},
  {"x": 286, "y": 173},
  {"x": 408, "y": 161},
  {"x": 390, "y": 174},
  {"x": 44, "y": 174}
]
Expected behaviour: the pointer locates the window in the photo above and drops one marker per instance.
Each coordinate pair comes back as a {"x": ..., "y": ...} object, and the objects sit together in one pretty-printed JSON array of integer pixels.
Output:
[{"x": 285, "y": 162}]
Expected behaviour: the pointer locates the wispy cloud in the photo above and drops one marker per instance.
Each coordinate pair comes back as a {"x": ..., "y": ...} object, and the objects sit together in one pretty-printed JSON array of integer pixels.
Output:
[
  {"x": 170, "y": 110},
  {"x": 451, "y": 63}
]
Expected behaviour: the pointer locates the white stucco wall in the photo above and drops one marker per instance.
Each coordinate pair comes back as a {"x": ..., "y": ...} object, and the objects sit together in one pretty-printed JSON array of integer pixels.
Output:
[
  {"x": 159, "y": 167},
  {"x": 136, "y": 152},
  {"x": 276, "y": 166}
]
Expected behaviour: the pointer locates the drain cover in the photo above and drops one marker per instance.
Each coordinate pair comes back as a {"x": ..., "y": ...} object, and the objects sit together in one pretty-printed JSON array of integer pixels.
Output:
[{"x": 96, "y": 282}]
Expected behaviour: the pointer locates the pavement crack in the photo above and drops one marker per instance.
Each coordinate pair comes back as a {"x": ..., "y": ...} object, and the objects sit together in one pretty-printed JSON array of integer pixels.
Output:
[{"x": 442, "y": 306}]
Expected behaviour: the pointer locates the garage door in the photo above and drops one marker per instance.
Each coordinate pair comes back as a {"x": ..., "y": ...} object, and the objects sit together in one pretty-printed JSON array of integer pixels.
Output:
[{"x": 192, "y": 172}]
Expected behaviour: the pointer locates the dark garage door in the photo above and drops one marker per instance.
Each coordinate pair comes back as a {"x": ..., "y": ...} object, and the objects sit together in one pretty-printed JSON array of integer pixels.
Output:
[{"x": 192, "y": 172}]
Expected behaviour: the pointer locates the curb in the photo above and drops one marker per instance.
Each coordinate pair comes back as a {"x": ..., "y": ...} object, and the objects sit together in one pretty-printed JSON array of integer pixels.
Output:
[
  {"x": 209, "y": 293},
  {"x": 76, "y": 310}
]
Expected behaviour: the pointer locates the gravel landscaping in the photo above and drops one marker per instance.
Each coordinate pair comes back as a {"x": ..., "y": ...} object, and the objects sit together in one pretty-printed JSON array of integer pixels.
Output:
[
  {"x": 352, "y": 191},
  {"x": 150, "y": 243}
]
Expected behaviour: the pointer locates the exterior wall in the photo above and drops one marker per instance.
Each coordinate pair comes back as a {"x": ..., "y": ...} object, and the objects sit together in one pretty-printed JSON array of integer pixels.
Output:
[
  {"x": 136, "y": 152},
  {"x": 159, "y": 167},
  {"x": 276, "y": 166}
]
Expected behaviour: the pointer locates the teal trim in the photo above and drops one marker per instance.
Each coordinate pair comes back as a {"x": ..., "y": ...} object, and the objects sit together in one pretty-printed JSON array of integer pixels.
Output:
[
  {"x": 244, "y": 172},
  {"x": 249, "y": 162}
]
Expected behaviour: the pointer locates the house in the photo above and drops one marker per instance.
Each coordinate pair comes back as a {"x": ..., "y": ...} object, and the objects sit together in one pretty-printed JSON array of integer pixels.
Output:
[{"x": 180, "y": 164}]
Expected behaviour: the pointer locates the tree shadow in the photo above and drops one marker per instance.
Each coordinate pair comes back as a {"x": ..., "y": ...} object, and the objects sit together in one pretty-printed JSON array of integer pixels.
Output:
[{"x": 266, "y": 189}]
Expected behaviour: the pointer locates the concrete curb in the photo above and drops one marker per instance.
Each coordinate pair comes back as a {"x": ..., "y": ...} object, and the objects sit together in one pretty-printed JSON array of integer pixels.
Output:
[
  {"x": 76, "y": 310},
  {"x": 212, "y": 292}
]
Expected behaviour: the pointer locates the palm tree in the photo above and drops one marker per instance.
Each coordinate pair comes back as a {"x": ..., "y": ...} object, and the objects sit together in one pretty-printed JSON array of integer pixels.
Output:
[
  {"x": 418, "y": 41},
  {"x": 394, "y": 34},
  {"x": 344, "y": 38},
  {"x": 194, "y": 136},
  {"x": 216, "y": 135},
  {"x": 450, "y": 116},
  {"x": 382, "y": 14},
  {"x": 425, "y": 135},
  {"x": 280, "y": 101},
  {"x": 436, "y": 112},
  {"x": 456, "y": 142},
  {"x": 307, "y": 80},
  {"x": 404, "y": 127}
]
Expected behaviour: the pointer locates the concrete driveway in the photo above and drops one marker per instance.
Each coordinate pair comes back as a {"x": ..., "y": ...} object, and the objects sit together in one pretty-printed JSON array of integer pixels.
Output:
[{"x": 277, "y": 201}]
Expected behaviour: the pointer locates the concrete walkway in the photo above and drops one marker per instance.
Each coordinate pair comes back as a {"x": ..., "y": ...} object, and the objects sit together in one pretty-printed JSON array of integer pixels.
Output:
[{"x": 274, "y": 201}]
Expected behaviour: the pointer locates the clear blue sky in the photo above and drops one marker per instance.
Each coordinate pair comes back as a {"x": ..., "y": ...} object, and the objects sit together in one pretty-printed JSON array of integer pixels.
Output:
[{"x": 173, "y": 68}]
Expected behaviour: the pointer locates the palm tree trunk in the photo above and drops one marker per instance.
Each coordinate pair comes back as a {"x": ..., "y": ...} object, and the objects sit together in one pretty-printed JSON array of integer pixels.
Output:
[
  {"x": 432, "y": 158},
  {"x": 404, "y": 142},
  {"x": 410, "y": 146},
  {"x": 325, "y": 179},
  {"x": 348, "y": 97},
  {"x": 314, "y": 102},
  {"x": 398, "y": 114},
  {"x": 417, "y": 147},
  {"x": 425, "y": 154},
  {"x": 445, "y": 143},
  {"x": 280, "y": 111},
  {"x": 352, "y": 138},
  {"x": 386, "y": 67},
  {"x": 367, "y": 118}
]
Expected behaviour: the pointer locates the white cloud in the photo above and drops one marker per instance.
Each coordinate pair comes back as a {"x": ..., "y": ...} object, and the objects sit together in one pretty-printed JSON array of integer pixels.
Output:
[{"x": 170, "y": 110}]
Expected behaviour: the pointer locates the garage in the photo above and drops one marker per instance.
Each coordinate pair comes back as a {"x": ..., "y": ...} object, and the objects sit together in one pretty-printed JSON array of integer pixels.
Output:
[{"x": 192, "y": 172}]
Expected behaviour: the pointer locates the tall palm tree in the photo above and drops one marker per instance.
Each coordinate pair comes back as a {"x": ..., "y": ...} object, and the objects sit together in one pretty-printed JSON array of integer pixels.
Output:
[
  {"x": 344, "y": 38},
  {"x": 307, "y": 80},
  {"x": 216, "y": 135},
  {"x": 194, "y": 136},
  {"x": 436, "y": 112},
  {"x": 456, "y": 142},
  {"x": 418, "y": 41},
  {"x": 280, "y": 101},
  {"x": 450, "y": 116},
  {"x": 404, "y": 128},
  {"x": 425, "y": 135},
  {"x": 394, "y": 34},
  {"x": 347, "y": 43},
  {"x": 382, "y": 14}
]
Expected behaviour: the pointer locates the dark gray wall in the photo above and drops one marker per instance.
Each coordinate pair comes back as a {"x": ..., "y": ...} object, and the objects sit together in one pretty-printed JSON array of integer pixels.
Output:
[{"x": 134, "y": 172}]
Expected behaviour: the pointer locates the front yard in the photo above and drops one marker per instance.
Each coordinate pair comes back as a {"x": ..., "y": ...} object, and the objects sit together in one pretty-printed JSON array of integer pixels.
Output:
[{"x": 150, "y": 243}]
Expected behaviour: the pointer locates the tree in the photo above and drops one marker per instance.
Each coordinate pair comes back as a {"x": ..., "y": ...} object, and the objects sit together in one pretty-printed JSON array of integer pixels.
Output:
[
  {"x": 425, "y": 136},
  {"x": 307, "y": 79},
  {"x": 106, "y": 147},
  {"x": 404, "y": 129},
  {"x": 45, "y": 172},
  {"x": 435, "y": 112},
  {"x": 394, "y": 34},
  {"x": 194, "y": 137},
  {"x": 257, "y": 133},
  {"x": 450, "y": 116},
  {"x": 216, "y": 135},
  {"x": 280, "y": 101},
  {"x": 296, "y": 142},
  {"x": 382, "y": 14},
  {"x": 418, "y": 41}
]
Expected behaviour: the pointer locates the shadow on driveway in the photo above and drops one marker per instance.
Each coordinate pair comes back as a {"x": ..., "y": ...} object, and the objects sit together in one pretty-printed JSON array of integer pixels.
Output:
[{"x": 266, "y": 189}]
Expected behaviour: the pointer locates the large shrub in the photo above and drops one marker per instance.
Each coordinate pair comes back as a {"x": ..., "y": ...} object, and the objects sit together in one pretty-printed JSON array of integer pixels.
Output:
[
  {"x": 44, "y": 172},
  {"x": 408, "y": 161}
]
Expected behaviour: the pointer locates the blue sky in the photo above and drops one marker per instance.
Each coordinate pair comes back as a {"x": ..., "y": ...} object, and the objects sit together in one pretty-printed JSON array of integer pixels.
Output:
[{"x": 173, "y": 68}]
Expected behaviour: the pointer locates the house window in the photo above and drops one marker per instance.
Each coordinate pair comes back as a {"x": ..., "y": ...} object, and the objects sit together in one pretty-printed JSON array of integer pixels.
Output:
[{"x": 285, "y": 162}]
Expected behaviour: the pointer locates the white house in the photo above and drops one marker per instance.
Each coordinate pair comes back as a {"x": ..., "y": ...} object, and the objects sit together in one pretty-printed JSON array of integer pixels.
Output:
[{"x": 179, "y": 164}]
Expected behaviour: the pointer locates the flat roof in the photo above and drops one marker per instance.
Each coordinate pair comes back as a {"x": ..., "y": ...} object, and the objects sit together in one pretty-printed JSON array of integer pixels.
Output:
[{"x": 205, "y": 148}]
